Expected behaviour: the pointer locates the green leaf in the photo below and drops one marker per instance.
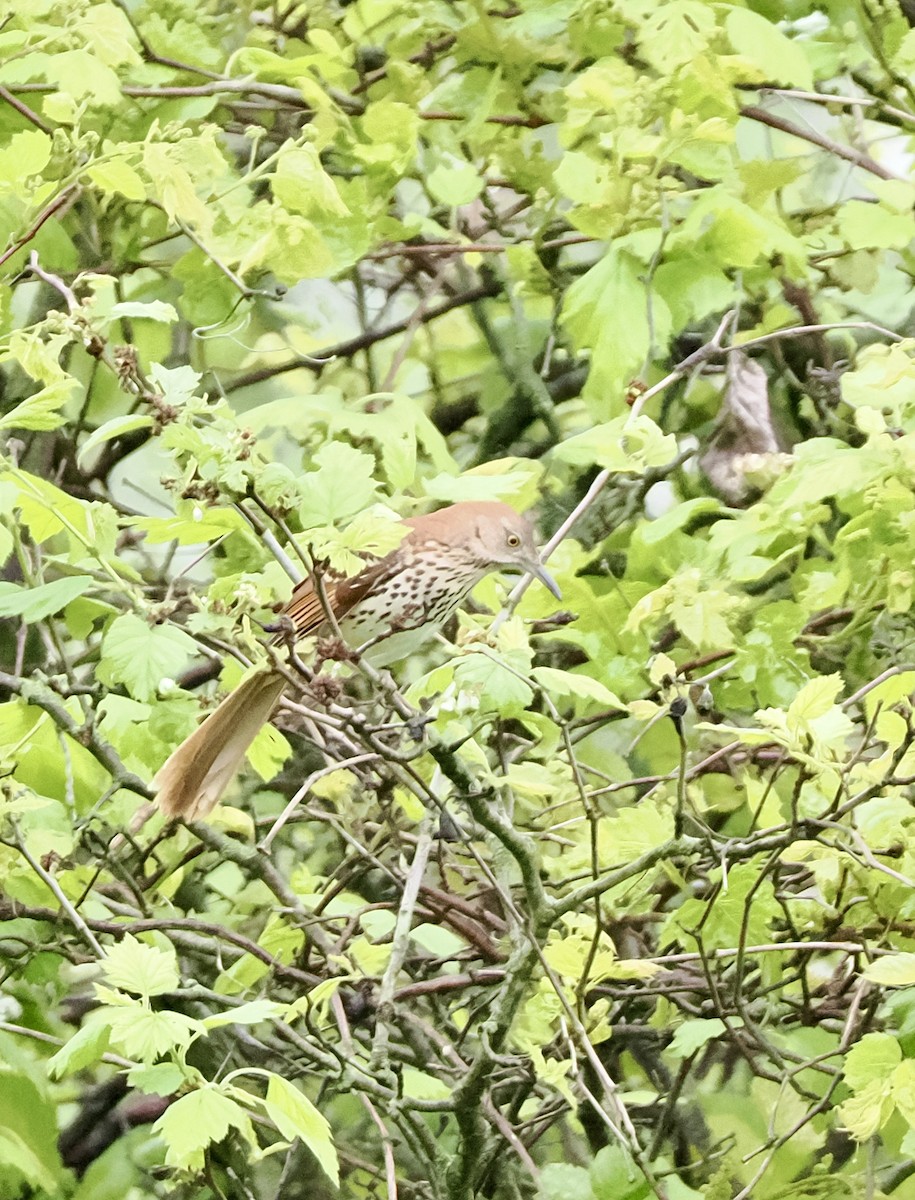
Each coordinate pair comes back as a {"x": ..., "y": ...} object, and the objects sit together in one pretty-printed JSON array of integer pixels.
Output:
[
  {"x": 85, "y": 1048},
  {"x": 903, "y": 1081},
  {"x": 420, "y": 1085},
  {"x": 144, "y": 1035},
  {"x": 606, "y": 310},
  {"x": 41, "y": 411},
  {"x": 653, "y": 532},
  {"x": 191, "y": 525},
  {"x": 498, "y": 687},
  {"x": 892, "y": 970},
  {"x": 301, "y": 184},
  {"x": 560, "y": 1181},
  {"x": 868, "y": 225},
  {"x": 176, "y": 384},
  {"x": 868, "y": 1110},
  {"x": 133, "y": 966},
  {"x": 625, "y": 444},
  {"x": 149, "y": 310},
  {"x": 761, "y": 42},
  {"x": 295, "y": 1116},
  {"x": 142, "y": 656},
  {"x": 116, "y": 175},
  {"x": 615, "y": 1176},
  {"x": 162, "y": 1079},
  {"x": 580, "y": 687},
  {"x": 37, "y": 603},
  {"x": 342, "y": 487},
  {"x": 871, "y": 1059},
  {"x": 251, "y": 1013},
  {"x": 815, "y": 698},
  {"x": 25, "y": 153},
  {"x": 28, "y": 1133},
  {"x": 116, "y": 427},
  {"x": 454, "y": 182},
  {"x": 693, "y": 1035},
  {"x": 196, "y": 1121},
  {"x": 109, "y": 35}
]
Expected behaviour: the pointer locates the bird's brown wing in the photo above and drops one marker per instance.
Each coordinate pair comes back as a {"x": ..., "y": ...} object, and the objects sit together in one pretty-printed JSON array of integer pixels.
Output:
[{"x": 306, "y": 609}]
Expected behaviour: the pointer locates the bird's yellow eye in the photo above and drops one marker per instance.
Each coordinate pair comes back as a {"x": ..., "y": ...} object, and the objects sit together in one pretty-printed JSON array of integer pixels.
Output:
[{"x": 513, "y": 540}]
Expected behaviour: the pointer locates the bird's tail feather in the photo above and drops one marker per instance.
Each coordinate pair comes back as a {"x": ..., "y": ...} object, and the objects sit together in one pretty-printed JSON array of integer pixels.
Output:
[{"x": 191, "y": 781}]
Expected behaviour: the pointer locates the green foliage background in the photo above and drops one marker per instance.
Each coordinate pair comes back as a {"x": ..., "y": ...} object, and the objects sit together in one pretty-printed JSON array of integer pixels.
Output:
[{"x": 630, "y": 911}]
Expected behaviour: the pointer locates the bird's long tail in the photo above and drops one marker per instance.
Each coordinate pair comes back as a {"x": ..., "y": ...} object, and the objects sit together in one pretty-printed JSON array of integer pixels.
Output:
[{"x": 195, "y": 775}]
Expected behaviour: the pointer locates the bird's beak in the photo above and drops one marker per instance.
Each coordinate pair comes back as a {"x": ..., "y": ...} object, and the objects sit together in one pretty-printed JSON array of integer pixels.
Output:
[{"x": 539, "y": 571}]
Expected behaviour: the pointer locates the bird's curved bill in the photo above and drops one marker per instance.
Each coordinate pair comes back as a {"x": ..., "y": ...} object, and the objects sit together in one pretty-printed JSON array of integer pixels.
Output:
[{"x": 539, "y": 571}]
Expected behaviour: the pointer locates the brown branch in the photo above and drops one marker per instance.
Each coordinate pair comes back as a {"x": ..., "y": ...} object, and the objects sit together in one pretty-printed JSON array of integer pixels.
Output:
[
  {"x": 63, "y": 200},
  {"x": 24, "y": 110},
  {"x": 428, "y": 249},
  {"x": 11, "y": 910},
  {"x": 533, "y": 121},
  {"x": 857, "y": 157},
  {"x": 346, "y": 349}
]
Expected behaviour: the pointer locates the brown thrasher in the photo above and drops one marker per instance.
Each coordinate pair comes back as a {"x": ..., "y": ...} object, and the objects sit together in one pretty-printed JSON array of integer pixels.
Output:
[{"x": 400, "y": 600}]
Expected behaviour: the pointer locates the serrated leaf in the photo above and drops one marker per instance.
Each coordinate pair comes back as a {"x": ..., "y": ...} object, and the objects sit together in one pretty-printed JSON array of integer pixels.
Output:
[
  {"x": 133, "y": 966},
  {"x": 161, "y": 1079},
  {"x": 177, "y": 384},
  {"x": 144, "y": 1035},
  {"x": 301, "y": 184},
  {"x": 693, "y": 1035},
  {"x": 815, "y": 698},
  {"x": 25, "y": 153},
  {"x": 872, "y": 1058},
  {"x": 268, "y": 752},
  {"x": 615, "y": 1176},
  {"x": 191, "y": 525},
  {"x": 41, "y": 412},
  {"x": 868, "y": 1110},
  {"x": 117, "y": 175},
  {"x": 295, "y": 1116},
  {"x": 561, "y": 1181},
  {"x": 903, "y": 1084},
  {"x": 34, "y": 604},
  {"x": 343, "y": 486},
  {"x": 626, "y": 444},
  {"x": 141, "y": 656},
  {"x": 196, "y": 1121},
  {"x": 497, "y": 687},
  {"x": 761, "y": 42}
]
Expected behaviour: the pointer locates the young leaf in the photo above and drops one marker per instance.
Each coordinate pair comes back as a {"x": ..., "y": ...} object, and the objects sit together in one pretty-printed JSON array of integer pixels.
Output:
[
  {"x": 892, "y": 970},
  {"x": 116, "y": 427},
  {"x": 144, "y": 1035},
  {"x": 295, "y": 1116},
  {"x": 196, "y": 1121},
  {"x": 34, "y": 604},
  {"x": 579, "y": 687},
  {"x": 147, "y": 971},
  {"x": 42, "y": 410},
  {"x": 251, "y": 1013},
  {"x": 86, "y": 1047},
  {"x": 141, "y": 656}
]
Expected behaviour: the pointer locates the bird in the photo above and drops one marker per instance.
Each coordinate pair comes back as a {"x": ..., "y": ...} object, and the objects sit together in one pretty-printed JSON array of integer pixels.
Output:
[{"x": 391, "y": 606}]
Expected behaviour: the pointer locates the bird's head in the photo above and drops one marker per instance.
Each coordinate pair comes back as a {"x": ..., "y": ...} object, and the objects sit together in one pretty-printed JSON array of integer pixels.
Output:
[{"x": 503, "y": 538}]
